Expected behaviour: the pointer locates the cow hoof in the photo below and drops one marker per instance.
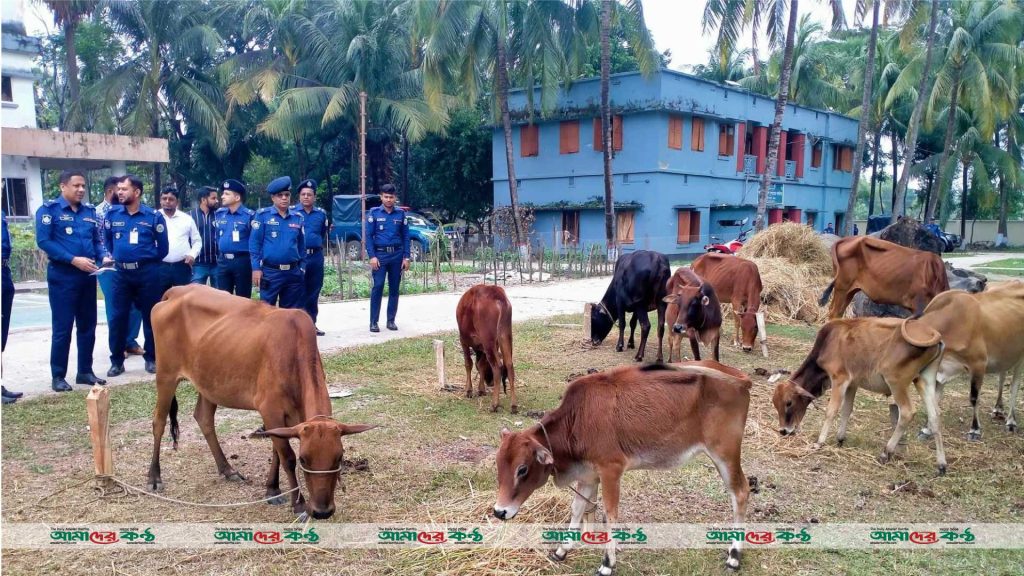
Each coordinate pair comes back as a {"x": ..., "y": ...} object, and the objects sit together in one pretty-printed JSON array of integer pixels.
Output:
[
  {"x": 942, "y": 469},
  {"x": 155, "y": 485},
  {"x": 974, "y": 436},
  {"x": 275, "y": 498},
  {"x": 840, "y": 442},
  {"x": 234, "y": 476},
  {"x": 495, "y": 407},
  {"x": 816, "y": 446},
  {"x": 554, "y": 557},
  {"x": 884, "y": 457},
  {"x": 1011, "y": 427},
  {"x": 630, "y": 345},
  {"x": 514, "y": 409},
  {"x": 924, "y": 435},
  {"x": 604, "y": 571},
  {"x": 618, "y": 348},
  {"x": 998, "y": 414},
  {"x": 469, "y": 393}
]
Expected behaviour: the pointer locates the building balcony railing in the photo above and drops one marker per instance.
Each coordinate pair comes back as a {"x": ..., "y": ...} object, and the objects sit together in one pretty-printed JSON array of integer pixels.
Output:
[
  {"x": 750, "y": 165},
  {"x": 790, "y": 170}
]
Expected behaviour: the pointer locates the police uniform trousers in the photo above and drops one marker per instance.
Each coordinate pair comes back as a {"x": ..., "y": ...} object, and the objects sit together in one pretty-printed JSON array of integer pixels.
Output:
[
  {"x": 235, "y": 274},
  {"x": 72, "y": 303},
  {"x": 314, "y": 281},
  {"x": 284, "y": 288},
  {"x": 8, "y": 301},
  {"x": 174, "y": 274},
  {"x": 140, "y": 287},
  {"x": 106, "y": 282},
  {"x": 391, "y": 266}
]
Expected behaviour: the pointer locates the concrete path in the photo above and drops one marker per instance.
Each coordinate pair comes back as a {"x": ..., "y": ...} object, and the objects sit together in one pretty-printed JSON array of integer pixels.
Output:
[{"x": 26, "y": 362}]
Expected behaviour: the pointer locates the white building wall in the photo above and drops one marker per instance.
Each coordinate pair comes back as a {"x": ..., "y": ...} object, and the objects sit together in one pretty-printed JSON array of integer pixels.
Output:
[{"x": 21, "y": 111}]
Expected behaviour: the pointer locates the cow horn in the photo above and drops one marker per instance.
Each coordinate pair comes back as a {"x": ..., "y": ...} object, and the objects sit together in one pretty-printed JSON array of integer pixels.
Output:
[{"x": 347, "y": 429}]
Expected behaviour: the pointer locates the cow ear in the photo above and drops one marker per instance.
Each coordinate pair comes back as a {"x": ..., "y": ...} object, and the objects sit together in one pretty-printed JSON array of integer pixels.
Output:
[
  {"x": 669, "y": 299},
  {"x": 543, "y": 456},
  {"x": 505, "y": 432},
  {"x": 347, "y": 429},
  {"x": 291, "y": 432},
  {"x": 803, "y": 392},
  {"x": 705, "y": 301}
]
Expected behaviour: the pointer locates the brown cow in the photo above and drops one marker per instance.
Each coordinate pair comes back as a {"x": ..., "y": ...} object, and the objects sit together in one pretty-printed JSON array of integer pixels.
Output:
[
  {"x": 737, "y": 281},
  {"x": 650, "y": 417},
  {"x": 249, "y": 356},
  {"x": 484, "y": 316},
  {"x": 888, "y": 273},
  {"x": 694, "y": 309},
  {"x": 883, "y": 355},
  {"x": 983, "y": 334}
]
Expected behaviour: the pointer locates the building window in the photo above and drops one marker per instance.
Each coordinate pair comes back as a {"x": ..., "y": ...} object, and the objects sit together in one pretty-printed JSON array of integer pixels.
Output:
[
  {"x": 624, "y": 226},
  {"x": 726, "y": 139},
  {"x": 616, "y": 134},
  {"x": 570, "y": 227},
  {"x": 8, "y": 92},
  {"x": 675, "y": 132},
  {"x": 697, "y": 136},
  {"x": 816, "y": 156},
  {"x": 528, "y": 140},
  {"x": 569, "y": 137},
  {"x": 688, "y": 227},
  {"x": 15, "y": 197},
  {"x": 842, "y": 158}
]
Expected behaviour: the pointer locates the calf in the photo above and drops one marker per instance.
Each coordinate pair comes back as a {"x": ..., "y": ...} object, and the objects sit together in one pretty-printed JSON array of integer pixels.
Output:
[
  {"x": 884, "y": 355},
  {"x": 651, "y": 417},
  {"x": 693, "y": 308},
  {"x": 888, "y": 273},
  {"x": 484, "y": 316},
  {"x": 737, "y": 281},
  {"x": 983, "y": 334},
  {"x": 638, "y": 286}
]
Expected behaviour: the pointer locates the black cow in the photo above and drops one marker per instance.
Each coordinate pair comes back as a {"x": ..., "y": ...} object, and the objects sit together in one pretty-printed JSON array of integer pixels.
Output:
[{"x": 638, "y": 286}]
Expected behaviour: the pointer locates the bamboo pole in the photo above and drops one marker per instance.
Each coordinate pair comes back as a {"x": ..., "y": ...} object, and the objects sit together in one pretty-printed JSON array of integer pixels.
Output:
[
  {"x": 439, "y": 359},
  {"x": 97, "y": 403},
  {"x": 586, "y": 320}
]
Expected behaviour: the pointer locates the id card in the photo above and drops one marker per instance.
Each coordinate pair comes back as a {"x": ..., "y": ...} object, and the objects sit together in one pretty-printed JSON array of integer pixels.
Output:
[
  {"x": 236, "y": 236},
  {"x": 133, "y": 236}
]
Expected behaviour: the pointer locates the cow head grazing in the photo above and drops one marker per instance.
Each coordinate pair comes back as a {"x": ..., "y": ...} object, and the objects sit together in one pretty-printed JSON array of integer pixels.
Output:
[
  {"x": 748, "y": 329},
  {"x": 601, "y": 323},
  {"x": 690, "y": 301},
  {"x": 320, "y": 458},
  {"x": 791, "y": 401},
  {"x": 523, "y": 466}
]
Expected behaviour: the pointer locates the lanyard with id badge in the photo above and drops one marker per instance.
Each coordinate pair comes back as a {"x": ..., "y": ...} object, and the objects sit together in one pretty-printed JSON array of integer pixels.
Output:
[{"x": 133, "y": 236}]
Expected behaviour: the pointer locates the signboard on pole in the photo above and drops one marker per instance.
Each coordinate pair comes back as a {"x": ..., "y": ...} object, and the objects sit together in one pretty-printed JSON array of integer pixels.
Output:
[{"x": 775, "y": 195}]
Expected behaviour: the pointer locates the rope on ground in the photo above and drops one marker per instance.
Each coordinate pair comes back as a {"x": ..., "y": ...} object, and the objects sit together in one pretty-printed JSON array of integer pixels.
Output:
[{"x": 129, "y": 487}]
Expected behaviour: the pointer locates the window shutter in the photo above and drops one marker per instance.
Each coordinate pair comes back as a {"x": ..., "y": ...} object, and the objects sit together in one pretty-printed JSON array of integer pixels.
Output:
[
  {"x": 697, "y": 136},
  {"x": 683, "y": 227},
  {"x": 675, "y": 132},
  {"x": 616, "y": 133},
  {"x": 569, "y": 137},
  {"x": 528, "y": 140},
  {"x": 624, "y": 227},
  {"x": 694, "y": 226}
]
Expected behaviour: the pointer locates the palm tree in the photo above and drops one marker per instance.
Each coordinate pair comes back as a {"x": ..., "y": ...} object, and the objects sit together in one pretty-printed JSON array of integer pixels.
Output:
[
  {"x": 865, "y": 116},
  {"x": 728, "y": 67},
  {"x": 67, "y": 14}
]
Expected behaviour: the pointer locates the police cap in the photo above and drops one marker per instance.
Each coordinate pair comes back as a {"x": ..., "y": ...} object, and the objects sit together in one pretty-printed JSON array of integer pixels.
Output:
[
  {"x": 234, "y": 186},
  {"x": 308, "y": 183},
  {"x": 278, "y": 185}
]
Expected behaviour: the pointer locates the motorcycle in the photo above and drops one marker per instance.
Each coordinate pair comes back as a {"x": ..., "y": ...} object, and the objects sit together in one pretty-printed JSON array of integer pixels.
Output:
[{"x": 730, "y": 247}]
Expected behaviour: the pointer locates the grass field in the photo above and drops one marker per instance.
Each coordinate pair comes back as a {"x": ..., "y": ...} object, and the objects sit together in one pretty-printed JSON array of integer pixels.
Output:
[
  {"x": 1005, "y": 267},
  {"x": 433, "y": 460}
]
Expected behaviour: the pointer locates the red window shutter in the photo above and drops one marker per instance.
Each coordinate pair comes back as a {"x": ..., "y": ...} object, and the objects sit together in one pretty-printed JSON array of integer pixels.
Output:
[
  {"x": 694, "y": 226},
  {"x": 683, "y": 227},
  {"x": 741, "y": 132},
  {"x": 775, "y": 215},
  {"x": 816, "y": 156},
  {"x": 616, "y": 133},
  {"x": 761, "y": 147},
  {"x": 569, "y": 137},
  {"x": 723, "y": 140},
  {"x": 697, "y": 135},
  {"x": 675, "y": 132}
]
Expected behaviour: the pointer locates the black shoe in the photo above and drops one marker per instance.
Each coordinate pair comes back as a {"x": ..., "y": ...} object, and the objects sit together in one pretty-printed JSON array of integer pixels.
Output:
[
  {"x": 374, "y": 327},
  {"x": 8, "y": 394},
  {"x": 9, "y": 400},
  {"x": 151, "y": 367},
  {"x": 60, "y": 385},
  {"x": 319, "y": 332},
  {"x": 391, "y": 325},
  {"x": 89, "y": 379},
  {"x": 115, "y": 370}
]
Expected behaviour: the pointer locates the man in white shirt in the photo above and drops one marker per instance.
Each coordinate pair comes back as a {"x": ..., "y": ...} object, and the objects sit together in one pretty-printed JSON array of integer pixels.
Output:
[{"x": 184, "y": 239}]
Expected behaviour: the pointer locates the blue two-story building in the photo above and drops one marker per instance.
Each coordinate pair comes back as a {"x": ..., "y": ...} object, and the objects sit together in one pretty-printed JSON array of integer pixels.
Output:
[{"x": 688, "y": 160}]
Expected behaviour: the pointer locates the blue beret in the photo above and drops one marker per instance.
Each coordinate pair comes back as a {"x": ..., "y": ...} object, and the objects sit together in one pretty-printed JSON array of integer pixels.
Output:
[
  {"x": 278, "y": 185},
  {"x": 234, "y": 186},
  {"x": 308, "y": 183}
]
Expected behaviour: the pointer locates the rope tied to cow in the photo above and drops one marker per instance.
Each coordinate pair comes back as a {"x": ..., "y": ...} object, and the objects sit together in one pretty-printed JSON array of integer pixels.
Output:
[
  {"x": 129, "y": 488},
  {"x": 554, "y": 471}
]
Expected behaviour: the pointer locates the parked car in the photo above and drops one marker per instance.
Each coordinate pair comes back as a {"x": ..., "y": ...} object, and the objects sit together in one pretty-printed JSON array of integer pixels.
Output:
[
  {"x": 347, "y": 226},
  {"x": 951, "y": 241}
]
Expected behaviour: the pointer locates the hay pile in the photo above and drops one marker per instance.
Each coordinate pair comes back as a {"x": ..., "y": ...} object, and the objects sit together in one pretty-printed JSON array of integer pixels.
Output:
[{"x": 795, "y": 268}]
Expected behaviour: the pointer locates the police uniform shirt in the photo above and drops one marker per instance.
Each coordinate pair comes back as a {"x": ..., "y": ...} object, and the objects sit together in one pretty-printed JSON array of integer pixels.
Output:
[
  {"x": 276, "y": 240},
  {"x": 65, "y": 234},
  {"x": 139, "y": 237},
  {"x": 386, "y": 230},
  {"x": 315, "y": 224},
  {"x": 233, "y": 229}
]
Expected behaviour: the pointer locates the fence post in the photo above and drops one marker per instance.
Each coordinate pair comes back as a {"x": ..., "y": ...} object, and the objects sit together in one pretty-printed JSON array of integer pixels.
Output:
[
  {"x": 439, "y": 359},
  {"x": 97, "y": 403},
  {"x": 586, "y": 320}
]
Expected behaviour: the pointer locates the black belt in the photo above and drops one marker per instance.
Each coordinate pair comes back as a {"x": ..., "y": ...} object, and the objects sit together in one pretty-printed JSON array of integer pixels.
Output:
[
  {"x": 132, "y": 265},
  {"x": 387, "y": 249},
  {"x": 233, "y": 255},
  {"x": 283, "y": 267},
  {"x": 314, "y": 250},
  {"x": 178, "y": 263}
]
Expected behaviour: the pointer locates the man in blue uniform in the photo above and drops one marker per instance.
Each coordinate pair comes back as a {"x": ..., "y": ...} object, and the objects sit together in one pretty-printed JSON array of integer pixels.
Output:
[
  {"x": 137, "y": 236},
  {"x": 277, "y": 248},
  {"x": 315, "y": 226},
  {"x": 233, "y": 221},
  {"x": 387, "y": 245},
  {"x": 106, "y": 280},
  {"x": 68, "y": 231},
  {"x": 8, "y": 302}
]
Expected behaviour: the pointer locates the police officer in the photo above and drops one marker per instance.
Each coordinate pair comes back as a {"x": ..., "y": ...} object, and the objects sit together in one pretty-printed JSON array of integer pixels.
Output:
[
  {"x": 315, "y": 226},
  {"x": 137, "y": 236},
  {"x": 277, "y": 248},
  {"x": 387, "y": 245},
  {"x": 233, "y": 221},
  {"x": 8, "y": 301},
  {"x": 68, "y": 231}
]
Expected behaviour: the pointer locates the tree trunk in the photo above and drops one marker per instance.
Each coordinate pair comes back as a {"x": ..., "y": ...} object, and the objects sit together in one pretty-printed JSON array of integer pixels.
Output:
[
  {"x": 71, "y": 60},
  {"x": 940, "y": 181},
  {"x": 780, "y": 108},
  {"x": 963, "y": 199},
  {"x": 865, "y": 119},
  {"x": 874, "y": 169},
  {"x": 405, "y": 165},
  {"x": 753, "y": 51},
  {"x": 1004, "y": 196},
  {"x": 300, "y": 156},
  {"x": 923, "y": 89},
  {"x": 606, "y": 125},
  {"x": 895, "y": 167},
  {"x": 506, "y": 123}
]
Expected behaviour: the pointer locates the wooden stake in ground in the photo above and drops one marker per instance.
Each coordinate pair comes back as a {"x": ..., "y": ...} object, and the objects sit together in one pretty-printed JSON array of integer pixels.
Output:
[
  {"x": 97, "y": 403},
  {"x": 762, "y": 334},
  {"x": 439, "y": 357},
  {"x": 586, "y": 320}
]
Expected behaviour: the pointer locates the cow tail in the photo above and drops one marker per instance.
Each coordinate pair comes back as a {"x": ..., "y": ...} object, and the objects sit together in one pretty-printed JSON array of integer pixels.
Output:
[
  {"x": 502, "y": 336},
  {"x": 174, "y": 421},
  {"x": 828, "y": 292}
]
